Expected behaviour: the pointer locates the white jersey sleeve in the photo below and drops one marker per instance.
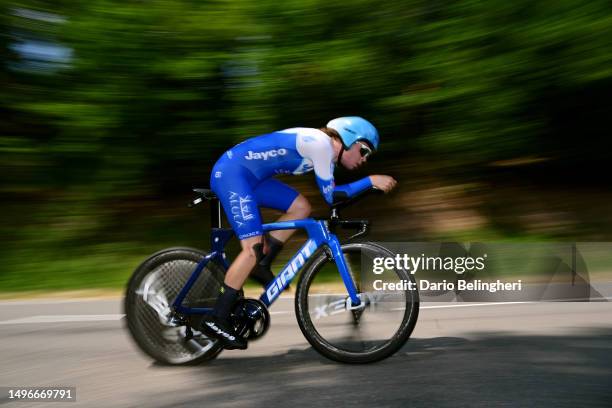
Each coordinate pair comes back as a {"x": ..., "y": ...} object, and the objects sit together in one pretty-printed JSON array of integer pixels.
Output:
[{"x": 316, "y": 147}]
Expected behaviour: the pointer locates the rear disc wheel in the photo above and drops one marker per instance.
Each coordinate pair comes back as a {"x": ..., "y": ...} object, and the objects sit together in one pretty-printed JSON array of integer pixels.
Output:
[{"x": 173, "y": 340}]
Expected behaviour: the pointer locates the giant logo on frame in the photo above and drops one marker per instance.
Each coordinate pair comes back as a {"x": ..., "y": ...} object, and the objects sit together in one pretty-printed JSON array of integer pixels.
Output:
[{"x": 290, "y": 270}]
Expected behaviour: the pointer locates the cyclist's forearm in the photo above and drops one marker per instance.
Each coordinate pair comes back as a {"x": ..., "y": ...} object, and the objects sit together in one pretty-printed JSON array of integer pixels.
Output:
[
  {"x": 327, "y": 188},
  {"x": 355, "y": 187}
]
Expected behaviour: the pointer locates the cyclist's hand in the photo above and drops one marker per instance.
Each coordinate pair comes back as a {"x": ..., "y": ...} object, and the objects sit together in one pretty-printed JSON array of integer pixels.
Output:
[{"x": 384, "y": 183}]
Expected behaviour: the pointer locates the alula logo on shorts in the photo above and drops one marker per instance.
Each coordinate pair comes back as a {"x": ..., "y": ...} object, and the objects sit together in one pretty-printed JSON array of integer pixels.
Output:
[
  {"x": 265, "y": 155},
  {"x": 241, "y": 208}
]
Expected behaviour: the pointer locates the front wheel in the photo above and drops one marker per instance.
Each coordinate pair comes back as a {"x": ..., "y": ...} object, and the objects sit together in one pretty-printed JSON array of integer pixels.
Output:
[
  {"x": 148, "y": 307},
  {"x": 370, "y": 332}
]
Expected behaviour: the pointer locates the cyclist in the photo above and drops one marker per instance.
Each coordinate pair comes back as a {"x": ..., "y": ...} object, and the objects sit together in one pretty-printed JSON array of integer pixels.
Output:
[{"x": 243, "y": 180}]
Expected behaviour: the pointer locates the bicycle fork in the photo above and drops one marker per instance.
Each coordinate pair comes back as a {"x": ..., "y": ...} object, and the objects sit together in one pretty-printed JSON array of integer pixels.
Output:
[{"x": 343, "y": 268}]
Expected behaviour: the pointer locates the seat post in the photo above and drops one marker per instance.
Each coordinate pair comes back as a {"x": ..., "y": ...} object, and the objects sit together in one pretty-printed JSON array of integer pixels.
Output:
[{"x": 216, "y": 213}]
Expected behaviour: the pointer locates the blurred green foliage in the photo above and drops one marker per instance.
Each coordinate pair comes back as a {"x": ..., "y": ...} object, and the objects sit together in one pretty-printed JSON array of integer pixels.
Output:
[{"x": 132, "y": 102}]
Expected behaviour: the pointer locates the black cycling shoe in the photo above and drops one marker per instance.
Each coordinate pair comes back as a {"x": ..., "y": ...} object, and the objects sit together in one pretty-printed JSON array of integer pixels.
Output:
[{"x": 218, "y": 329}]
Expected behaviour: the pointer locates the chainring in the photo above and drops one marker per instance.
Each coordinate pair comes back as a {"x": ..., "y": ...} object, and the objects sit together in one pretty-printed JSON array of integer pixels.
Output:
[{"x": 250, "y": 318}]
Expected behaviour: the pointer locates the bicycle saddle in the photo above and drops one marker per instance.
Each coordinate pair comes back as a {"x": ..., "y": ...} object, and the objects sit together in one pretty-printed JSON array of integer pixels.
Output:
[{"x": 205, "y": 193}]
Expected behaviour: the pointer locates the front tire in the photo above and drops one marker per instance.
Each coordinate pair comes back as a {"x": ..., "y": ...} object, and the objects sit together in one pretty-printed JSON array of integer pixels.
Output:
[{"x": 364, "y": 335}]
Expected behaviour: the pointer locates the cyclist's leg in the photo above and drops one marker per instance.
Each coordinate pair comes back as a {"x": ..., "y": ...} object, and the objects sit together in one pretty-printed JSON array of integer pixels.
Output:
[
  {"x": 238, "y": 198},
  {"x": 233, "y": 188},
  {"x": 272, "y": 193},
  {"x": 244, "y": 263},
  {"x": 300, "y": 208}
]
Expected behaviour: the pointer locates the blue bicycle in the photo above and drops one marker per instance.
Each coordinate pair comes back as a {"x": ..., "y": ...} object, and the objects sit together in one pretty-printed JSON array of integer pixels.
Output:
[{"x": 337, "y": 308}]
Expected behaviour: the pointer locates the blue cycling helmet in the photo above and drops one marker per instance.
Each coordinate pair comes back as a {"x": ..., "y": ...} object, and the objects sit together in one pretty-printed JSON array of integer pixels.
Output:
[{"x": 354, "y": 128}]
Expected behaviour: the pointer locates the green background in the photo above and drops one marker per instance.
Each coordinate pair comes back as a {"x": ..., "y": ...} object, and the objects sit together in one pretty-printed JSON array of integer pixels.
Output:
[{"x": 494, "y": 118}]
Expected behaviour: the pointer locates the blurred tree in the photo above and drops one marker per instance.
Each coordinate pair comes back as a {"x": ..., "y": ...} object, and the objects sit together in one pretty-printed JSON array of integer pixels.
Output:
[{"x": 105, "y": 101}]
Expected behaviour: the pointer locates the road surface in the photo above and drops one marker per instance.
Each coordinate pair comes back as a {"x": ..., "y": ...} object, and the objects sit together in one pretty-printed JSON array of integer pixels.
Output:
[{"x": 530, "y": 354}]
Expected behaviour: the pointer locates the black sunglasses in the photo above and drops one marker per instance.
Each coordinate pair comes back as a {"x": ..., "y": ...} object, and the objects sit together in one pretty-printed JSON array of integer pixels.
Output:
[{"x": 364, "y": 150}]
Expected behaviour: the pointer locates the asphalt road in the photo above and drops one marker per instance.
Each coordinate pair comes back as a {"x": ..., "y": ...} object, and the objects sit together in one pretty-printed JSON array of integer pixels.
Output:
[{"x": 532, "y": 355}]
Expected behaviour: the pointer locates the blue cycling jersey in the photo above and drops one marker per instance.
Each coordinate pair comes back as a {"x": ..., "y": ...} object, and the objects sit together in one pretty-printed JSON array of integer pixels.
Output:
[{"x": 242, "y": 177}]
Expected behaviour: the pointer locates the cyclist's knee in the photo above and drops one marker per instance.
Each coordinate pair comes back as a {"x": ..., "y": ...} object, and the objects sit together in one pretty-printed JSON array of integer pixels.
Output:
[
  {"x": 300, "y": 207},
  {"x": 250, "y": 246}
]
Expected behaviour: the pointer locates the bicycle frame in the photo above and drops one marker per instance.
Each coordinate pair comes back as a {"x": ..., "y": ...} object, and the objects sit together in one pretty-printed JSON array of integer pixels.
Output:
[{"x": 318, "y": 236}]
